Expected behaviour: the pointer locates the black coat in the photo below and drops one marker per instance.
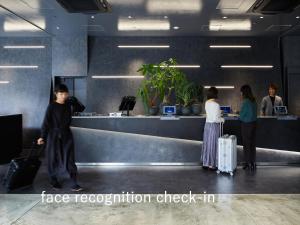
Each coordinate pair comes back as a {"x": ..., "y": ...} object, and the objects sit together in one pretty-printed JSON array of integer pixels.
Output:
[{"x": 59, "y": 139}]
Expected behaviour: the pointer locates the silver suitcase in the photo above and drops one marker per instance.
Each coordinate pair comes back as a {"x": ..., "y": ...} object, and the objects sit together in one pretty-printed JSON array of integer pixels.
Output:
[{"x": 227, "y": 153}]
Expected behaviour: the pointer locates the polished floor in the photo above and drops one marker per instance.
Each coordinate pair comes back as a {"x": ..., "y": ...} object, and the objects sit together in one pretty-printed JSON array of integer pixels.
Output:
[
  {"x": 271, "y": 195},
  {"x": 173, "y": 179},
  {"x": 226, "y": 209}
]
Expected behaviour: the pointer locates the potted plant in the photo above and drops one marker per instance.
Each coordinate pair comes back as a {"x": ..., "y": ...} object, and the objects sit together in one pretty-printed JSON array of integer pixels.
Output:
[
  {"x": 197, "y": 99},
  {"x": 148, "y": 96},
  {"x": 184, "y": 93},
  {"x": 162, "y": 79}
]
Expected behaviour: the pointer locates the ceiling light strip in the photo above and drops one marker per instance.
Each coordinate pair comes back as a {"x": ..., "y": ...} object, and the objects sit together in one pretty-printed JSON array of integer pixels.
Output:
[
  {"x": 117, "y": 77},
  {"x": 247, "y": 66},
  {"x": 19, "y": 67},
  {"x": 220, "y": 87},
  {"x": 143, "y": 46},
  {"x": 4, "y": 82},
  {"x": 181, "y": 66},
  {"x": 230, "y": 46},
  {"x": 23, "y": 46}
]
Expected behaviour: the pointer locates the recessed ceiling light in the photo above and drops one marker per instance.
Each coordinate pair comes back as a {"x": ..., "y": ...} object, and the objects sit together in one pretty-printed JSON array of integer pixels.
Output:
[
  {"x": 25, "y": 46},
  {"x": 143, "y": 46},
  {"x": 224, "y": 17},
  {"x": 129, "y": 17},
  {"x": 220, "y": 87},
  {"x": 166, "y": 17},
  {"x": 297, "y": 17},
  {"x": 261, "y": 17},
  {"x": 247, "y": 66},
  {"x": 143, "y": 24},
  {"x": 117, "y": 77},
  {"x": 93, "y": 17},
  {"x": 19, "y": 67},
  {"x": 181, "y": 66},
  {"x": 173, "y": 6},
  {"x": 176, "y": 28},
  {"x": 57, "y": 28},
  {"x": 230, "y": 46},
  {"x": 12, "y": 25}
]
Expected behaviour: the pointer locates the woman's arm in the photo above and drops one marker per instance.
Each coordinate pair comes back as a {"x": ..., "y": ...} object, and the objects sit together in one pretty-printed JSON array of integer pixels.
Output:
[
  {"x": 263, "y": 107},
  {"x": 243, "y": 111},
  {"x": 218, "y": 114}
]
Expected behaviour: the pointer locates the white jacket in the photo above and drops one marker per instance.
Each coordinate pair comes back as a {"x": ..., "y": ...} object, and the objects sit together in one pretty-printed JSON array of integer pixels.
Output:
[{"x": 213, "y": 112}]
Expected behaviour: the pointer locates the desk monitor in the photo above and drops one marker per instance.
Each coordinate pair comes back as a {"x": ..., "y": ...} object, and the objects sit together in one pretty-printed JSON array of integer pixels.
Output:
[
  {"x": 225, "y": 109},
  {"x": 169, "y": 110},
  {"x": 127, "y": 104},
  {"x": 280, "y": 110}
]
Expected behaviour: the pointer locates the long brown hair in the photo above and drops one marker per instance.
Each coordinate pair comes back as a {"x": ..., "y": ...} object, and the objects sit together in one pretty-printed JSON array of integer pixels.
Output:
[{"x": 247, "y": 92}]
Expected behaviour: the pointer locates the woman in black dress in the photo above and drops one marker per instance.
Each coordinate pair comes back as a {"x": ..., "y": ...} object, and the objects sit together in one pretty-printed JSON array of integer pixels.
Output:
[{"x": 57, "y": 134}]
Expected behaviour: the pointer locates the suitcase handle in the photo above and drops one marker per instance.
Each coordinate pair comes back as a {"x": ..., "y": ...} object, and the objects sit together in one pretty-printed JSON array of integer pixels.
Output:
[
  {"x": 221, "y": 128},
  {"x": 32, "y": 149}
]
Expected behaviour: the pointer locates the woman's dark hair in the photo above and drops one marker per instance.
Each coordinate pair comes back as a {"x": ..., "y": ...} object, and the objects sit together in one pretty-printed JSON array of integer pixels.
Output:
[
  {"x": 247, "y": 92},
  {"x": 212, "y": 92},
  {"x": 61, "y": 88},
  {"x": 273, "y": 86}
]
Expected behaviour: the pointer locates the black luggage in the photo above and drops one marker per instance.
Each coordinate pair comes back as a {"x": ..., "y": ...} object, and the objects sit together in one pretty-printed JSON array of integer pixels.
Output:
[{"x": 23, "y": 170}]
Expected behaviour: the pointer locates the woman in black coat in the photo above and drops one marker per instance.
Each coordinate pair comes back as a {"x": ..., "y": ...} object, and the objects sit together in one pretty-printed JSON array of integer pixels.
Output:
[{"x": 57, "y": 134}]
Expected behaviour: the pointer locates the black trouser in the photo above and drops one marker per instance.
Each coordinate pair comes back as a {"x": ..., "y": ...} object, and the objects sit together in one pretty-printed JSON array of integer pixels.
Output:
[
  {"x": 60, "y": 152},
  {"x": 249, "y": 141}
]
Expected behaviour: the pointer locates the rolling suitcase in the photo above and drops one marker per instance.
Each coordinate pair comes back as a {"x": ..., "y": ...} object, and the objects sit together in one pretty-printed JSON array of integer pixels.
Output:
[
  {"x": 22, "y": 171},
  {"x": 227, "y": 153}
]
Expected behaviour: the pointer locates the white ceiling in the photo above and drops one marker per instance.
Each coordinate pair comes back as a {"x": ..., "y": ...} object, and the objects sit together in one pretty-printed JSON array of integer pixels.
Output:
[{"x": 159, "y": 17}]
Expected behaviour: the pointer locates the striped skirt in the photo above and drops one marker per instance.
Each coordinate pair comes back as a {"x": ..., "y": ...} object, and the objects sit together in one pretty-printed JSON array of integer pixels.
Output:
[{"x": 210, "y": 144}]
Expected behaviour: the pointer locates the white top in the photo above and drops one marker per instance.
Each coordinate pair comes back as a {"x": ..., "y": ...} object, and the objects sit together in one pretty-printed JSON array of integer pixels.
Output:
[{"x": 213, "y": 112}]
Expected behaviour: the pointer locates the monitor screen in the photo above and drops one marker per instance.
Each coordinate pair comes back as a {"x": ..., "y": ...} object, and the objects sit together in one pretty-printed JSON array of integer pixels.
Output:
[
  {"x": 225, "y": 109},
  {"x": 169, "y": 110},
  {"x": 281, "y": 110}
]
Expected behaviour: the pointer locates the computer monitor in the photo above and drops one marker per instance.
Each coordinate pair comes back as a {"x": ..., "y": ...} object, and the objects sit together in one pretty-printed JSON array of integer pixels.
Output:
[
  {"x": 127, "y": 104},
  {"x": 280, "y": 110},
  {"x": 225, "y": 109},
  {"x": 169, "y": 110}
]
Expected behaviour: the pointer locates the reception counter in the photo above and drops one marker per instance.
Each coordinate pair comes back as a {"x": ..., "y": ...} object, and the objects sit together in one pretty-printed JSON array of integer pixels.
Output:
[{"x": 152, "y": 139}]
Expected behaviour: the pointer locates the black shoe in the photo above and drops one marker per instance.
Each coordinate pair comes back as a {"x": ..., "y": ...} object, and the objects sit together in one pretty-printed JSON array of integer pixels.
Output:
[
  {"x": 76, "y": 188},
  {"x": 56, "y": 185},
  {"x": 205, "y": 167},
  {"x": 253, "y": 166},
  {"x": 212, "y": 168},
  {"x": 246, "y": 166}
]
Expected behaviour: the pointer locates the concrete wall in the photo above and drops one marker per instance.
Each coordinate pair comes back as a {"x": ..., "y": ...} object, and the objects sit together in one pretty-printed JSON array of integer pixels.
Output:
[
  {"x": 291, "y": 46},
  {"x": 69, "y": 55},
  {"x": 29, "y": 90},
  {"x": 105, "y": 58}
]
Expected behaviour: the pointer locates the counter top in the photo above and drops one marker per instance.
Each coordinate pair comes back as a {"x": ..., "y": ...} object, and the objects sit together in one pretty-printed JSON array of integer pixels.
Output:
[{"x": 233, "y": 117}]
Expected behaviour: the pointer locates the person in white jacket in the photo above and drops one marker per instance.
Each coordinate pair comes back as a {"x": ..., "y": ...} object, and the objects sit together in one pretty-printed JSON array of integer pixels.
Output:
[{"x": 211, "y": 130}]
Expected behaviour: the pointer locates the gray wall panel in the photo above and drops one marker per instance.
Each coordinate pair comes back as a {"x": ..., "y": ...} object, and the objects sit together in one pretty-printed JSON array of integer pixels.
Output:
[
  {"x": 105, "y": 58},
  {"x": 28, "y": 90},
  {"x": 69, "y": 56}
]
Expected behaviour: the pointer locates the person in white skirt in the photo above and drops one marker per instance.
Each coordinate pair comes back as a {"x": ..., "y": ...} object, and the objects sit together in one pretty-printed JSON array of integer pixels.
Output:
[{"x": 211, "y": 130}]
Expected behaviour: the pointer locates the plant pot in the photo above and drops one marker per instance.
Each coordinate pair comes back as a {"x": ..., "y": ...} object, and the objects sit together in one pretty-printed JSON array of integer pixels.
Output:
[
  {"x": 178, "y": 109},
  {"x": 153, "y": 110},
  {"x": 196, "y": 108},
  {"x": 186, "y": 110}
]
